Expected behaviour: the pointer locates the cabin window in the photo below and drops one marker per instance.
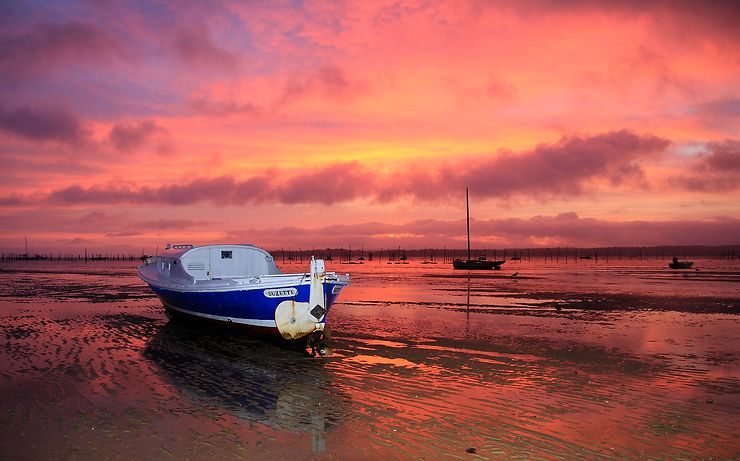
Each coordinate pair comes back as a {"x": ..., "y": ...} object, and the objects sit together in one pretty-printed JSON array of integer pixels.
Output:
[{"x": 226, "y": 254}]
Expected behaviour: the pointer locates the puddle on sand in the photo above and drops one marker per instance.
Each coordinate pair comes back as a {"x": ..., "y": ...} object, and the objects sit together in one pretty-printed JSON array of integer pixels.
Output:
[{"x": 90, "y": 368}]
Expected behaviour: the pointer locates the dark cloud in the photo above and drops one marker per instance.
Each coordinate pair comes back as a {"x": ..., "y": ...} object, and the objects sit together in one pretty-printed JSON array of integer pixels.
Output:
[
  {"x": 723, "y": 157},
  {"x": 220, "y": 191},
  {"x": 12, "y": 201},
  {"x": 336, "y": 183},
  {"x": 716, "y": 170},
  {"x": 223, "y": 190},
  {"x": 566, "y": 168},
  {"x": 561, "y": 169},
  {"x": 20, "y": 166},
  {"x": 41, "y": 47},
  {"x": 194, "y": 46},
  {"x": 43, "y": 124},
  {"x": 132, "y": 136}
]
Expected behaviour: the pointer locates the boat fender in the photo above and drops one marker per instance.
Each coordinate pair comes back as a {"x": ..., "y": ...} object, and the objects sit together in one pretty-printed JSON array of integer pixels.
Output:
[{"x": 296, "y": 319}]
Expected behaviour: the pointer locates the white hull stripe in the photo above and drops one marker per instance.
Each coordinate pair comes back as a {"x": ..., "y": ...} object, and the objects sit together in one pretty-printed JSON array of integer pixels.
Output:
[{"x": 252, "y": 322}]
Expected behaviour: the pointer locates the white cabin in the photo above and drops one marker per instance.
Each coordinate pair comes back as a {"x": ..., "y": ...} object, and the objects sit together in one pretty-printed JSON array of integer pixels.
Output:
[{"x": 217, "y": 261}]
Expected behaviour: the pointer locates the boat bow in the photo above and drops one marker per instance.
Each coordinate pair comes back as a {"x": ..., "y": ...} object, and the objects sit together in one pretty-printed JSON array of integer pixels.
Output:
[{"x": 295, "y": 319}]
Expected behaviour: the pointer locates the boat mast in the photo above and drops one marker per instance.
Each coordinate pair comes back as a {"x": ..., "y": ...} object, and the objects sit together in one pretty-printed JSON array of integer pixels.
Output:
[{"x": 467, "y": 214}]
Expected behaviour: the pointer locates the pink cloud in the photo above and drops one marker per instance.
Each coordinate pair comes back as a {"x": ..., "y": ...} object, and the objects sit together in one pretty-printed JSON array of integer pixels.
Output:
[
  {"x": 328, "y": 81},
  {"x": 566, "y": 229},
  {"x": 137, "y": 228},
  {"x": 194, "y": 45},
  {"x": 132, "y": 136},
  {"x": 167, "y": 224},
  {"x": 390, "y": 109},
  {"x": 223, "y": 108},
  {"x": 676, "y": 16},
  {"x": 113, "y": 222}
]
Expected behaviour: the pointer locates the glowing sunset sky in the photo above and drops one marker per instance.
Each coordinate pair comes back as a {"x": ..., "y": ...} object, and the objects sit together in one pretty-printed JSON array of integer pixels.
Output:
[{"x": 332, "y": 123}]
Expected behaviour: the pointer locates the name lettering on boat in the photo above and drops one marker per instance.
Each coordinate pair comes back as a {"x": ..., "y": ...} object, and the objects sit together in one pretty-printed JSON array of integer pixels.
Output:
[{"x": 281, "y": 293}]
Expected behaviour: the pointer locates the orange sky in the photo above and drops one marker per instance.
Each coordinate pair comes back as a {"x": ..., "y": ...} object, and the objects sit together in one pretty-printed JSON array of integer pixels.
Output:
[{"x": 361, "y": 123}]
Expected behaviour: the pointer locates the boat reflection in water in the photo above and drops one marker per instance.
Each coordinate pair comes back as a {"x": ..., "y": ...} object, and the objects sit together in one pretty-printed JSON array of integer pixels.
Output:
[{"x": 250, "y": 379}]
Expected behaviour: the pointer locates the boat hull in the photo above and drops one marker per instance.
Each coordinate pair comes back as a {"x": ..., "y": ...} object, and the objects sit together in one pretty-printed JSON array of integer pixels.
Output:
[
  {"x": 476, "y": 264},
  {"x": 681, "y": 265},
  {"x": 252, "y": 309}
]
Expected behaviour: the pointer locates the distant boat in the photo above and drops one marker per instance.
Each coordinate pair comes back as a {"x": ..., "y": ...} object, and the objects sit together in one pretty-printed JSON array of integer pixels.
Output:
[
  {"x": 676, "y": 264},
  {"x": 474, "y": 264},
  {"x": 516, "y": 258},
  {"x": 585, "y": 257},
  {"x": 240, "y": 286}
]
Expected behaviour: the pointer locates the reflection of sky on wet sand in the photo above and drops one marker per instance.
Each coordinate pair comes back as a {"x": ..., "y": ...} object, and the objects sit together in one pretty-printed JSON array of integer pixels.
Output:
[{"x": 426, "y": 364}]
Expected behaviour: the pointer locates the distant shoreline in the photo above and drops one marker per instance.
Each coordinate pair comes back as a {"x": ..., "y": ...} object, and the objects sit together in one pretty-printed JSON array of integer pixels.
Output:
[{"x": 721, "y": 252}]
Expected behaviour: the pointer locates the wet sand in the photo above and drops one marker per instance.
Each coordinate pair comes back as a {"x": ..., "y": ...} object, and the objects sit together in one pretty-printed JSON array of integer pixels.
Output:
[{"x": 586, "y": 361}]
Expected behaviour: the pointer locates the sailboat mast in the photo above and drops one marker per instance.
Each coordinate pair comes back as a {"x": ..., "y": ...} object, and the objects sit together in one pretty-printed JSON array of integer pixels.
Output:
[{"x": 467, "y": 215}]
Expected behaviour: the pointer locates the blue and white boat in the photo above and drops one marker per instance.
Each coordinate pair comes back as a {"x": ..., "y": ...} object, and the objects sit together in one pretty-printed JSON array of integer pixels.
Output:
[{"x": 240, "y": 285}]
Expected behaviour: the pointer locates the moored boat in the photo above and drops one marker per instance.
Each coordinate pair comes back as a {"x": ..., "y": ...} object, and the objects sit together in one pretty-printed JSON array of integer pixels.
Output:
[
  {"x": 241, "y": 286},
  {"x": 676, "y": 264},
  {"x": 474, "y": 264}
]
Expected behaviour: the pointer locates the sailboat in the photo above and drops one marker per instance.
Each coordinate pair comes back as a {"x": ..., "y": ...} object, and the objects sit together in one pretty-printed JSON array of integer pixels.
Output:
[{"x": 474, "y": 264}]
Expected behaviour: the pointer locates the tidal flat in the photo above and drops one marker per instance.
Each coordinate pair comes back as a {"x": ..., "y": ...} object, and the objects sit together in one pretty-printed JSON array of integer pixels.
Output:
[{"x": 585, "y": 360}]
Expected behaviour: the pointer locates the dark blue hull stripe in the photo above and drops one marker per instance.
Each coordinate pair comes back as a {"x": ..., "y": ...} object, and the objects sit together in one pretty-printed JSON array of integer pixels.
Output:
[
  {"x": 251, "y": 322},
  {"x": 247, "y": 307}
]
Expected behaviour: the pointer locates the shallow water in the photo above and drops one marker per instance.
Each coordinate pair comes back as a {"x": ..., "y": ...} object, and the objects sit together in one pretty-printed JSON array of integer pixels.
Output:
[{"x": 583, "y": 360}]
